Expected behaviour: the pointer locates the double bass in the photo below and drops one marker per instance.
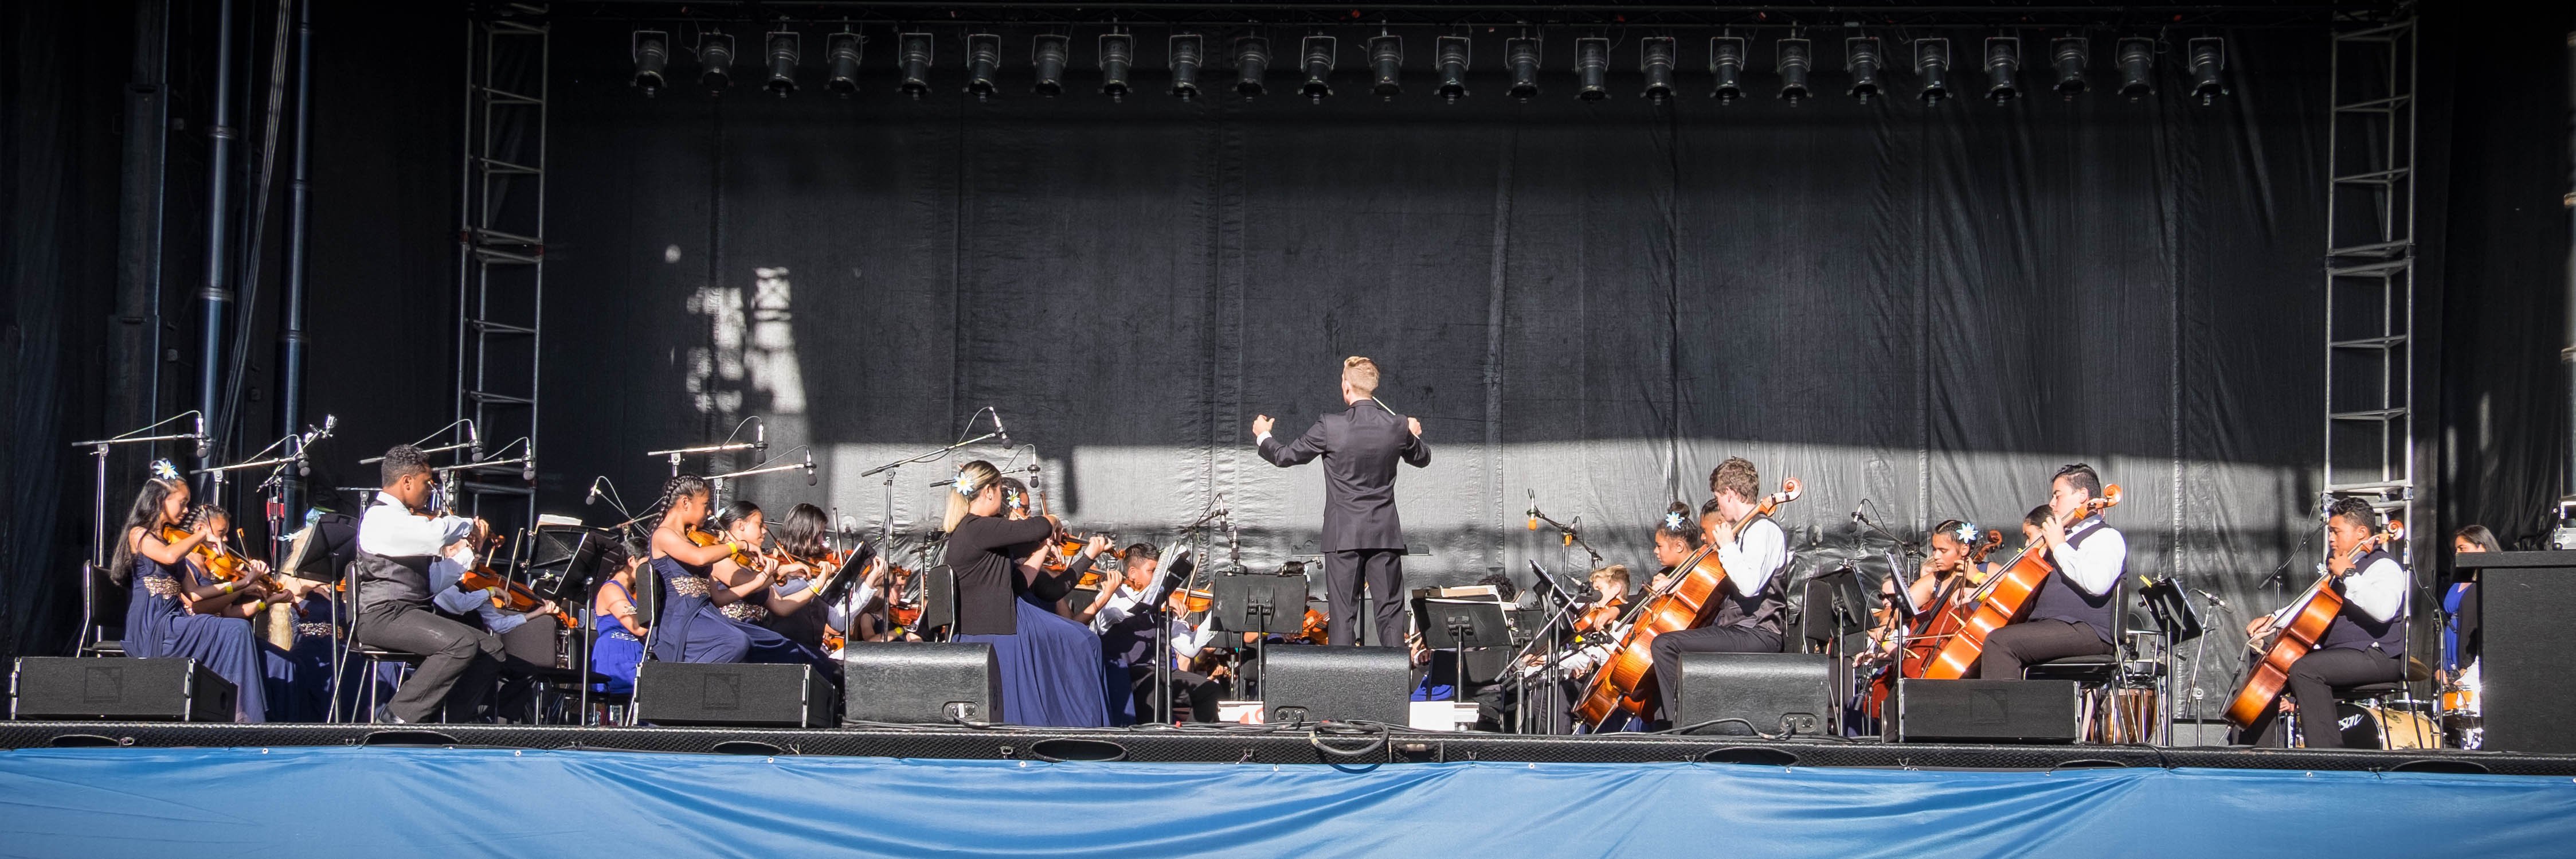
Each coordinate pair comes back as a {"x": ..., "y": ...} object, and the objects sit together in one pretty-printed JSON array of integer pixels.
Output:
[
  {"x": 1961, "y": 633},
  {"x": 2317, "y": 610},
  {"x": 1625, "y": 681}
]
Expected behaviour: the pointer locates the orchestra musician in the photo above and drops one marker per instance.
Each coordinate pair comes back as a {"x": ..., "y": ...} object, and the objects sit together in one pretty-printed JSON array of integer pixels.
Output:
[
  {"x": 2461, "y": 639},
  {"x": 806, "y": 570},
  {"x": 1593, "y": 626},
  {"x": 2070, "y": 613},
  {"x": 1051, "y": 673},
  {"x": 175, "y": 611},
  {"x": 1947, "y": 574},
  {"x": 528, "y": 638},
  {"x": 619, "y": 647},
  {"x": 399, "y": 539},
  {"x": 1363, "y": 537},
  {"x": 2364, "y": 644},
  {"x": 750, "y": 596},
  {"x": 1753, "y": 549},
  {"x": 693, "y": 628}
]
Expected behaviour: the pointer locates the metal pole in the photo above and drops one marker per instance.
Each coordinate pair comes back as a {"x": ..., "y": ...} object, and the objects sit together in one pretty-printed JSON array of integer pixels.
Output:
[
  {"x": 217, "y": 297},
  {"x": 2569, "y": 487},
  {"x": 299, "y": 208}
]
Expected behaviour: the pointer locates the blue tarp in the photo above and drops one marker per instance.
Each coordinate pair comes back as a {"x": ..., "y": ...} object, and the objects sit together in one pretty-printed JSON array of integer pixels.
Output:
[{"x": 383, "y": 803}]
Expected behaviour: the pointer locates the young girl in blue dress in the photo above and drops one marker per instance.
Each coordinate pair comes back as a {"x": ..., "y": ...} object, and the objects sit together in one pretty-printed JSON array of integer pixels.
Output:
[{"x": 178, "y": 613}]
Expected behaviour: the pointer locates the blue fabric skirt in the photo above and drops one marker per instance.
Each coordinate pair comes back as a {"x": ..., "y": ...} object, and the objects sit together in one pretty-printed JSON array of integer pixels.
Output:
[{"x": 1051, "y": 671}]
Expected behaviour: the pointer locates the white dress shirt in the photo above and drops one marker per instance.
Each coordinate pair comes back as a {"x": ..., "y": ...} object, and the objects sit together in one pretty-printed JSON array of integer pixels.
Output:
[
  {"x": 1119, "y": 607},
  {"x": 2377, "y": 590},
  {"x": 1188, "y": 640},
  {"x": 1757, "y": 553},
  {"x": 2095, "y": 566},
  {"x": 389, "y": 529}
]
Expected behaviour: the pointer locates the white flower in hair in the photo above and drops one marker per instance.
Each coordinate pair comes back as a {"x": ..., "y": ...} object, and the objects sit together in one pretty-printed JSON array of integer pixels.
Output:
[
  {"x": 965, "y": 484},
  {"x": 161, "y": 468},
  {"x": 1673, "y": 520}
]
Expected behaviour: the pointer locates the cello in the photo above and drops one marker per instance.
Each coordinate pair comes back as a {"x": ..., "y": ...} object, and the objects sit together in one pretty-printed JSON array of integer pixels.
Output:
[
  {"x": 2317, "y": 610},
  {"x": 1921, "y": 641},
  {"x": 1625, "y": 682},
  {"x": 1962, "y": 633}
]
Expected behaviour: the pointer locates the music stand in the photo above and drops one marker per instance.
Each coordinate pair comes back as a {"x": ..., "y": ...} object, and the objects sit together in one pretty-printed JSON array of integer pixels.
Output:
[
  {"x": 1266, "y": 604},
  {"x": 2172, "y": 611},
  {"x": 1457, "y": 624}
]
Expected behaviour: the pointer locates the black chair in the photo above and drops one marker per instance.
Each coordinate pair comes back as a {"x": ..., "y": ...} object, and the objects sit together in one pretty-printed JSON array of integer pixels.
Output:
[
  {"x": 103, "y": 607},
  {"x": 2099, "y": 674}
]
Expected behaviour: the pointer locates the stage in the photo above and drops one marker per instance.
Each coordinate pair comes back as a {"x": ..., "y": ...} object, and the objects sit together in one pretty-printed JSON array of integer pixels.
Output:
[{"x": 321, "y": 789}]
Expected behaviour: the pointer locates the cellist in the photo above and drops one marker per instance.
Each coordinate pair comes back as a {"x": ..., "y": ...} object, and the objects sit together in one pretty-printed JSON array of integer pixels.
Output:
[
  {"x": 2070, "y": 613},
  {"x": 1752, "y": 548},
  {"x": 2366, "y": 642}
]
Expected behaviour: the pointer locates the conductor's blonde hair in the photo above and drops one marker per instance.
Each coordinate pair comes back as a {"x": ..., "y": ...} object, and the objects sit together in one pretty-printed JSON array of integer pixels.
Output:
[{"x": 1361, "y": 374}]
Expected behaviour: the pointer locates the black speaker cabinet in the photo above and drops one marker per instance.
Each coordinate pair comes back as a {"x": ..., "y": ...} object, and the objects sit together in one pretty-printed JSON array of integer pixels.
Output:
[
  {"x": 118, "y": 690},
  {"x": 938, "y": 598},
  {"x": 732, "y": 695},
  {"x": 919, "y": 683},
  {"x": 2529, "y": 696},
  {"x": 1986, "y": 711},
  {"x": 1773, "y": 693},
  {"x": 1341, "y": 684}
]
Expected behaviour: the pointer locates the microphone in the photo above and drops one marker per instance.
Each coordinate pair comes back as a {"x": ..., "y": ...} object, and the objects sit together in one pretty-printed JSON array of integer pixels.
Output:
[
  {"x": 202, "y": 447},
  {"x": 809, "y": 468},
  {"x": 1856, "y": 517},
  {"x": 473, "y": 440},
  {"x": 528, "y": 464},
  {"x": 1533, "y": 510},
  {"x": 593, "y": 497},
  {"x": 759, "y": 434},
  {"x": 2212, "y": 598},
  {"x": 997, "y": 426}
]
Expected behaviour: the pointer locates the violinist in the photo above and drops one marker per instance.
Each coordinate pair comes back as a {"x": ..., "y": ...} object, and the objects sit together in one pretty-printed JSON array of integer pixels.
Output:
[
  {"x": 1201, "y": 688},
  {"x": 692, "y": 628},
  {"x": 399, "y": 538},
  {"x": 1115, "y": 604},
  {"x": 806, "y": 570},
  {"x": 175, "y": 612},
  {"x": 1046, "y": 574},
  {"x": 1593, "y": 627},
  {"x": 620, "y": 644},
  {"x": 1752, "y": 548},
  {"x": 2365, "y": 644},
  {"x": 1050, "y": 666},
  {"x": 2070, "y": 613},
  {"x": 766, "y": 590},
  {"x": 1130, "y": 628},
  {"x": 528, "y": 637}
]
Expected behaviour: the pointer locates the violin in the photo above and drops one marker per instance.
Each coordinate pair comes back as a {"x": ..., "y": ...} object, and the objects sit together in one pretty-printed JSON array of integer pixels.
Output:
[
  {"x": 1317, "y": 628},
  {"x": 510, "y": 595},
  {"x": 218, "y": 561},
  {"x": 745, "y": 556}
]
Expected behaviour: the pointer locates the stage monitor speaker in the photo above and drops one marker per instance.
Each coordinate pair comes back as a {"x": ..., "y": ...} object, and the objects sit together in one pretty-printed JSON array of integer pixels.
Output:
[
  {"x": 2528, "y": 696},
  {"x": 62, "y": 688},
  {"x": 732, "y": 695},
  {"x": 1771, "y": 693},
  {"x": 1340, "y": 684},
  {"x": 915, "y": 683},
  {"x": 938, "y": 598},
  {"x": 1986, "y": 711}
]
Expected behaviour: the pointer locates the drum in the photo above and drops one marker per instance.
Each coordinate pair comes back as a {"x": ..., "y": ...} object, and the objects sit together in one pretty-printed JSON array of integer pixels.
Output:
[
  {"x": 2130, "y": 717},
  {"x": 2397, "y": 725}
]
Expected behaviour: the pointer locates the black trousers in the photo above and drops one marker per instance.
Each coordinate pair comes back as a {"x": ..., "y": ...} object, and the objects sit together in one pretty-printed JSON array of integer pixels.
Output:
[
  {"x": 1198, "y": 689},
  {"x": 2312, "y": 682},
  {"x": 2014, "y": 645},
  {"x": 1669, "y": 647},
  {"x": 1383, "y": 571},
  {"x": 456, "y": 668}
]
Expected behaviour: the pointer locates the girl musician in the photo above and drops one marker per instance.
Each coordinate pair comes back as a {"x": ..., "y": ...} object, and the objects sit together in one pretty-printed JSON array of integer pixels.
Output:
[
  {"x": 1051, "y": 670},
  {"x": 2364, "y": 644},
  {"x": 693, "y": 628},
  {"x": 806, "y": 569},
  {"x": 783, "y": 590},
  {"x": 1594, "y": 624},
  {"x": 1947, "y": 574},
  {"x": 298, "y": 680},
  {"x": 1038, "y": 584},
  {"x": 1753, "y": 549},
  {"x": 178, "y": 613},
  {"x": 620, "y": 645}
]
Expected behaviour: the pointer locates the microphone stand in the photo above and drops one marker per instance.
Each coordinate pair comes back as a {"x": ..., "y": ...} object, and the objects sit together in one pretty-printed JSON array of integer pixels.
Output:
[
  {"x": 276, "y": 462},
  {"x": 99, "y": 449},
  {"x": 1568, "y": 534},
  {"x": 1544, "y": 637},
  {"x": 765, "y": 468},
  {"x": 886, "y": 530}
]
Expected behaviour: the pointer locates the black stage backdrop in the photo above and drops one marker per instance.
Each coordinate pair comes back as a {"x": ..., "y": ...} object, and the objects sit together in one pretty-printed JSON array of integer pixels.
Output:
[{"x": 1930, "y": 308}]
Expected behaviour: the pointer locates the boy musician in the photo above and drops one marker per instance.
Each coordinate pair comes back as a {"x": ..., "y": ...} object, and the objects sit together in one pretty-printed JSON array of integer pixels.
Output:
[
  {"x": 2364, "y": 644},
  {"x": 399, "y": 539},
  {"x": 1753, "y": 549},
  {"x": 2070, "y": 613}
]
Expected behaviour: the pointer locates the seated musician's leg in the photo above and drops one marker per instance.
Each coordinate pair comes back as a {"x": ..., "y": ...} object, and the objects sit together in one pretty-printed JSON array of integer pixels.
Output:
[
  {"x": 2313, "y": 679},
  {"x": 2015, "y": 645}
]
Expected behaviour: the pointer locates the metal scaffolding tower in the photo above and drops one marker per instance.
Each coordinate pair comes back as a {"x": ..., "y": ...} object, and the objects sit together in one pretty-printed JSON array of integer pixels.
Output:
[
  {"x": 2370, "y": 269},
  {"x": 500, "y": 290}
]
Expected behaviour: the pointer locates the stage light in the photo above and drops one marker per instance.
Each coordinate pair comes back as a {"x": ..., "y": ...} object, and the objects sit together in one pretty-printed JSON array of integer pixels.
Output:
[
  {"x": 1726, "y": 62},
  {"x": 1386, "y": 61},
  {"x": 652, "y": 52},
  {"x": 1522, "y": 55},
  {"x": 1656, "y": 55},
  {"x": 1117, "y": 55},
  {"x": 784, "y": 46},
  {"x": 1186, "y": 58},
  {"x": 1796, "y": 58},
  {"x": 715, "y": 60},
  {"x": 2208, "y": 58},
  {"x": 841, "y": 54},
  {"x": 983, "y": 61},
  {"x": 913, "y": 53},
  {"x": 2137, "y": 68},
  {"x": 1453, "y": 67},
  {"x": 1860, "y": 54},
  {"x": 1251, "y": 62},
  {"x": 1932, "y": 61},
  {"x": 1592, "y": 68},
  {"x": 1048, "y": 53},
  {"x": 2003, "y": 62},
  {"x": 1318, "y": 53},
  {"x": 2069, "y": 56}
]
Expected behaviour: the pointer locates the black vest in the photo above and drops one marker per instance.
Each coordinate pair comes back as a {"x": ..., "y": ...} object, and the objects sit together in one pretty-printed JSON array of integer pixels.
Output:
[
  {"x": 1760, "y": 609},
  {"x": 2353, "y": 630},
  {"x": 386, "y": 579},
  {"x": 2060, "y": 599}
]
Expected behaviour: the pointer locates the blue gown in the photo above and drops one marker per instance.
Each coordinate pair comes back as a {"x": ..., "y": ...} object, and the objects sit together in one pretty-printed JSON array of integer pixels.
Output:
[
  {"x": 693, "y": 629},
  {"x": 300, "y": 685},
  {"x": 1051, "y": 669},
  {"x": 158, "y": 625},
  {"x": 616, "y": 653}
]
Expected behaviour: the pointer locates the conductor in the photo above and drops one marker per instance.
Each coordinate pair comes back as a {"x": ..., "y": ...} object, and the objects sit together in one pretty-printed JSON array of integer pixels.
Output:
[{"x": 1362, "y": 535}]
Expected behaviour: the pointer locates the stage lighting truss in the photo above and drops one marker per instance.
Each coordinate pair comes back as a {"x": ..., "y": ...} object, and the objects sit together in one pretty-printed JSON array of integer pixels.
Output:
[
  {"x": 2137, "y": 67},
  {"x": 1048, "y": 54},
  {"x": 1726, "y": 65},
  {"x": 1861, "y": 55},
  {"x": 786, "y": 48},
  {"x": 1932, "y": 62},
  {"x": 2003, "y": 67},
  {"x": 715, "y": 60},
  {"x": 1317, "y": 53},
  {"x": 1117, "y": 56},
  {"x": 1521, "y": 54},
  {"x": 912, "y": 55},
  {"x": 2068, "y": 56},
  {"x": 983, "y": 63},
  {"x": 1797, "y": 58},
  {"x": 651, "y": 50},
  {"x": 1656, "y": 56},
  {"x": 1592, "y": 68},
  {"x": 2208, "y": 60},
  {"x": 1251, "y": 64},
  {"x": 841, "y": 61},
  {"x": 1453, "y": 52},
  {"x": 1187, "y": 56}
]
